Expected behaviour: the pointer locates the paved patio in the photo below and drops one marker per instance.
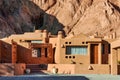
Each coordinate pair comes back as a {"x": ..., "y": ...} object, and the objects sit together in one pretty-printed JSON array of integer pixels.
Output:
[{"x": 63, "y": 77}]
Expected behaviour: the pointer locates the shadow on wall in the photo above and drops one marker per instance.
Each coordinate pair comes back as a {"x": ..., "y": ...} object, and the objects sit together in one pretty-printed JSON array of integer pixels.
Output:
[
  {"x": 6, "y": 52},
  {"x": 19, "y": 16},
  {"x": 6, "y": 70},
  {"x": 46, "y": 21}
]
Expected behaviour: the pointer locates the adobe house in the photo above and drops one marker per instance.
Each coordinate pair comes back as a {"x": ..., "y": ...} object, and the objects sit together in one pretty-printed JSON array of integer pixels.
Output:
[
  {"x": 76, "y": 54},
  {"x": 31, "y": 48},
  {"x": 81, "y": 54},
  {"x": 27, "y": 50}
]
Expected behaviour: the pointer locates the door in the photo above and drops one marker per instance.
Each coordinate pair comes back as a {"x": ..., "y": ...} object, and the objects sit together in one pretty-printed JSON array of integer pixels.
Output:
[{"x": 94, "y": 54}]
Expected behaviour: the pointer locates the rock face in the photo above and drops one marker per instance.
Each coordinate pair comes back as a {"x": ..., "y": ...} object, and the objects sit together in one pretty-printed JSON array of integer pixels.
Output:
[
  {"x": 72, "y": 16},
  {"x": 86, "y": 16},
  {"x": 19, "y": 16}
]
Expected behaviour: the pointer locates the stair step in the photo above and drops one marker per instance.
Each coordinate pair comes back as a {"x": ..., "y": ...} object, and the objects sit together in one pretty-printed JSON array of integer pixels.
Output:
[
  {"x": 37, "y": 68},
  {"x": 40, "y": 71}
]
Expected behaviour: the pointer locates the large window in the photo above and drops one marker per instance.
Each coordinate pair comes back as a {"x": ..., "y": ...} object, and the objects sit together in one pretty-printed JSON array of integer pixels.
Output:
[
  {"x": 36, "y": 41},
  {"x": 81, "y": 50}
]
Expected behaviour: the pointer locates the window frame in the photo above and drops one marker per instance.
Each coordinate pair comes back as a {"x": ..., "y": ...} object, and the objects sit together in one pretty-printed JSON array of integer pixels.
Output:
[
  {"x": 38, "y": 55},
  {"x": 78, "y": 46}
]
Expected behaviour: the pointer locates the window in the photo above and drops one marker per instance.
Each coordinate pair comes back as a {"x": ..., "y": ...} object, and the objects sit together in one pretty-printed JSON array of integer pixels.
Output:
[
  {"x": 109, "y": 48},
  {"x": 73, "y": 57},
  {"x": 103, "y": 48},
  {"x": 69, "y": 56},
  {"x": 46, "y": 52},
  {"x": 36, "y": 41},
  {"x": 66, "y": 56},
  {"x": 81, "y": 50},
  {"x": 66, "y": 42},
  {"x": 83, "y": 42},
  {"x": 36, "y": 52},
  {"x": 28, "y": 41}
]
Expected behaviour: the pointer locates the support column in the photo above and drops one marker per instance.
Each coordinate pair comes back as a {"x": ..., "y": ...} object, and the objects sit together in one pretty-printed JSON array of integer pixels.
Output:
[
  {"x": 114, "y": 69},
  {"x": 58, "y": 48},
  {"x": 14, "y": 52},
  {"x": 89, "y": 52},
  {"x": 99, "y": 54},
  {"x": 45, "y": 36}
]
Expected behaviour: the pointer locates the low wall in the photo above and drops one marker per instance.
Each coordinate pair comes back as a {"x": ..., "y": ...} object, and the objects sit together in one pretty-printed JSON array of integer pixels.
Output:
[
  {"x": 62, "y": 68},
  {"x": 24, "y": 55},
  {"x": 19, "y": 69},
  {"x": 6, "y": 69},
  {"x": 80, "y": 68},
  {"x": 92, "y": 69}
]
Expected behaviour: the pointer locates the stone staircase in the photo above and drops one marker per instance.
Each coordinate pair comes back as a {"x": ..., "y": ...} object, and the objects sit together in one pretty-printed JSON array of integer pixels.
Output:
[{"x": 37, "y": 68}]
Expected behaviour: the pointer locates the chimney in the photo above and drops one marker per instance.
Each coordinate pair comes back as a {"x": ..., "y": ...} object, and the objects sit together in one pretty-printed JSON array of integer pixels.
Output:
[{"x": 60, "y": 34}]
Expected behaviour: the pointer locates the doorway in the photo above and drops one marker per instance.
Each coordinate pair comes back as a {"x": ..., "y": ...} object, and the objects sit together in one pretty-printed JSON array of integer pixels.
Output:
[{"x": 94, "y": 54}]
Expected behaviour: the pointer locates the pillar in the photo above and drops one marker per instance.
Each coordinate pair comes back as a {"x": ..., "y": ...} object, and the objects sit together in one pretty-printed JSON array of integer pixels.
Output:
[
  {"x": 60, "y": 34},
  {"x": 114, "y": 69},
  {"x": 14, "y": 52},
  {"x": 114, "y": 35},
  {"x": 45, "y": 36},
  {"x": 111, "y": 36},
  {"x": 58, "y": 48},
  {"x": 89, "y": 52},
  {"x": 100, "y": 53}
]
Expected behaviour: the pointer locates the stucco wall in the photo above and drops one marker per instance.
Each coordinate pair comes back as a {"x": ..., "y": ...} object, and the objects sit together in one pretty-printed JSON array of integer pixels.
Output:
[
  {"x": 80, "y": 68},
  {"x": 24, "y": 55},
  {"x": 62, "y": 68},
  {"x": 6, "y": 69},
  {"x": 5, "y": 52},
  {"x": 95, "y": 69}
]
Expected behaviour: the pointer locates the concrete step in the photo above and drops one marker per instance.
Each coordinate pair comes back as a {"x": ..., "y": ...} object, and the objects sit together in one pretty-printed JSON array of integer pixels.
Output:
[{"x": 36, "y": 68}]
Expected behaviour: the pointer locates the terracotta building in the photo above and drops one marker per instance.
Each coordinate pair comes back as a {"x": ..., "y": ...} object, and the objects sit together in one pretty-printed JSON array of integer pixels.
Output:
[{"x": 75, "y": 54}]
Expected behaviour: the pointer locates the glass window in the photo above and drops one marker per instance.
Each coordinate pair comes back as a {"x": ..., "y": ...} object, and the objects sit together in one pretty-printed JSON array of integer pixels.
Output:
[
  {"x": 36, "y": 52},
  {"x": 81, "y": 50},
  {"x": 36, "y": 41}
]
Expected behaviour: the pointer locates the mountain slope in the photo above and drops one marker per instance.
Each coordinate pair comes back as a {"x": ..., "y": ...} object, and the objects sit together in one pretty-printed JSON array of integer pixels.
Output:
[
  {"x": 72, "y": 16},
  {"x": 19, "y": 16},
  {"x": 86, "y": 16}
]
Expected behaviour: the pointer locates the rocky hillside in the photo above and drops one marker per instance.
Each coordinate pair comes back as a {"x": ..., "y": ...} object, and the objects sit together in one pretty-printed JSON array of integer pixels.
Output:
[
  {"x": 85, "y": 16},
  {"x": 19, "y": 16},
  {"x": 72, "y": 16}
]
